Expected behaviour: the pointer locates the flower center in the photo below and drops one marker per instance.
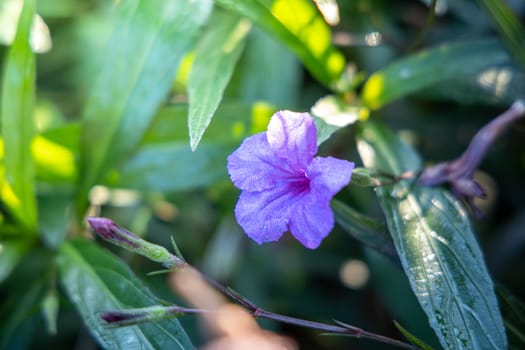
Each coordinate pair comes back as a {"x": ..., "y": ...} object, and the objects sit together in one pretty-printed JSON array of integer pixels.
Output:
[{"x": 301, "y": 183}]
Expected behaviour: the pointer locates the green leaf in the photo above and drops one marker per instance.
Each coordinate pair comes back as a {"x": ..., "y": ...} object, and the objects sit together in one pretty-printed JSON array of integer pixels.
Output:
[
  {"x": 50, "y": 307},
  {"x": 496, "y": 86},
  {"x": 54, "y": 215},
  {"x": 53, "y": 159},
  {"x": 10, "y": 254},
  {"x": 324, "y": 130},
  {"x": 165, "y": 162},
  {"x": 298, "y": 25},
  {"x": 216, "y": 55},
  {"x": 429, "y": 67},
  {"x": 95, "y": 281},
  {"x": 65, "y": 135},
  {"x": 234, "y": 122},
  {"x": 363, "y": 228},
  {"x": 437, "y": 248},
  {"x": 513, "y": 311},
  {"x": 509, "y": 26},
  {"x": 331, "y": 113},
  {"x": 22, "y": 295},
  {"x": 172, "y": 167},
  {"x": 17, "y": 121},
  {"x": 394, "y": 290},
  {"x": 54, "y": 163},
  {"x": 275, "y": 79},
  {"x": 412, "y": 338},
  {"x": 148, "y": 42}
]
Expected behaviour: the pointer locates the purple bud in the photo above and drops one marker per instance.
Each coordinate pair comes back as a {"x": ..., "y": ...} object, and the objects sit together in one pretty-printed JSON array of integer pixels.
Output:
[
  {"x": 117, "y": 316},
  {"x": 117, "y": 235},
  {"x": 102, "y": 226},
  {"x": 128, "y": 317},
  {"x": 110, "y": 231}
]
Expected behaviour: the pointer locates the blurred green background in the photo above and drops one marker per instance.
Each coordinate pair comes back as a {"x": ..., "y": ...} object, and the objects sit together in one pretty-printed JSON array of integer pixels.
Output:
[{"x": 163, "y": 189}]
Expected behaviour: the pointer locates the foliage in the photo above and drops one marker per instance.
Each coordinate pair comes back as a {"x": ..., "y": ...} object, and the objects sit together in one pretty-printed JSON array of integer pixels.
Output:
[{"x": 129, "y": 109}]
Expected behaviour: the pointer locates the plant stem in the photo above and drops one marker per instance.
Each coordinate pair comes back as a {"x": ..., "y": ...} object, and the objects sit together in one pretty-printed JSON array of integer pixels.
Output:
[
  {"x": 340, "y": 328},
  {"x": 428, "y": 23}
]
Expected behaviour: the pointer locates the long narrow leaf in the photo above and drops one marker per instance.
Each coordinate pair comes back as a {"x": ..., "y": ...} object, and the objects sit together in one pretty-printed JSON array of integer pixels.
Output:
[
  {"x": 298, "y": 25},
  {"x": 430, "y": 67},
  {"x": 437, "y": 249},
  {"x": 17, "y": 113},
  {"x": 215, "y": 59},
  {"x": 149, "y": 40}
]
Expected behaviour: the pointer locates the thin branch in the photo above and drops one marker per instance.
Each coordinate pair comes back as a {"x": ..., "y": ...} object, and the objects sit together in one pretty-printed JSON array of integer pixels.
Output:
[
  {"x": 339, "y": 328},
  {"x": 426, "y": 27}
]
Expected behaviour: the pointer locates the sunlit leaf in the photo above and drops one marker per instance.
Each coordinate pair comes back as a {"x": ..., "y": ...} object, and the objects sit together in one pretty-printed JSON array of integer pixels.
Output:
[
  {"x": 498, "y": 86},
  {"x": 96, "y": 281},
  {"x": 17, "y": 122},
  {"x": 215, "y": 58},
  {"x": 331, "y": 113},
  {"x": 53, "y": 157},
  {"x": 163, "y": 160},
  {"x": 54, "y": 163},
  {"x": 437, "y": 248},
  {"x": 422, "y": 70},
  {"x": 298, "y": 25},
  {"x": 10, "y": 10},
  {"x": 148, "y": 42},
  {"x": 330, "y": 11}
]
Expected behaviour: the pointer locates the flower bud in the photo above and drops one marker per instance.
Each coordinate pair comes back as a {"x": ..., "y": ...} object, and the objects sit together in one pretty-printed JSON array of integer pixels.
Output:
[
  {"x": 117, "y": 235},
  {"x": 460, "y": 171},
  {"x": 128, "y": 317}
]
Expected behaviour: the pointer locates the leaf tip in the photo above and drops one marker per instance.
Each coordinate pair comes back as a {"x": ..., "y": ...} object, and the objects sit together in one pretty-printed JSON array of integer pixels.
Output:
[{"x": 194, "y": 142}]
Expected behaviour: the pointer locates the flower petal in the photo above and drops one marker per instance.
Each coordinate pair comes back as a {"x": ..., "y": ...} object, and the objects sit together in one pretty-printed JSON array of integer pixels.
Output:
[
  {"x": 254, "y": 166},
  {"x": 329, "y": 174},
  {"x": 312, "y": 219},
  {"x": 264, "y": 215},
  {"x": 293, "y": 136}
]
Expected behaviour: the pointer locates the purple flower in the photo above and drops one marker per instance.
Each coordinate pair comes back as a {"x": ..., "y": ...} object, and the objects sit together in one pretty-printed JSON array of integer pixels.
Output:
[{"x": 283, "y": 186}]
